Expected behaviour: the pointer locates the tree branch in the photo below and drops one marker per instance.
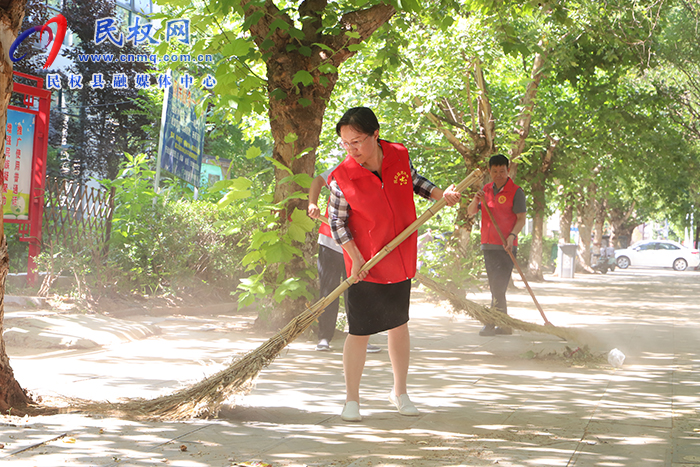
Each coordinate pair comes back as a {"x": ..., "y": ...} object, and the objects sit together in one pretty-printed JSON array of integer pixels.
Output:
[
  {"x": 312, "y": 10},
  {"x": 484, "y": 110},
  {"x": 363, "y": 22},
  {"x": 261, "y": 29},
  {"x": 453, "y": 140},
  {"x": 522, "y": 128}
]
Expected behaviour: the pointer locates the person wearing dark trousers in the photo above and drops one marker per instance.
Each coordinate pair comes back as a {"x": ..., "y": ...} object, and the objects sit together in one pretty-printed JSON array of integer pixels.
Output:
[
  {"x": 331, "y": 269},
  {"x": 507, "y": 204}
]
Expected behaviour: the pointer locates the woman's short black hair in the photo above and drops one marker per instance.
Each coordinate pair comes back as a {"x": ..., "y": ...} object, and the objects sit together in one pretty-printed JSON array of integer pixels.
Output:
[
  {"x": 498, "y": 160},
  {"x": 361, "y": 119}
]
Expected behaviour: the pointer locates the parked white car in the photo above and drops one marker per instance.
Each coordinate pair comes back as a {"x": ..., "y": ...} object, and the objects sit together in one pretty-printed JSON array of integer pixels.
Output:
[{"x": 658, "y": 253}]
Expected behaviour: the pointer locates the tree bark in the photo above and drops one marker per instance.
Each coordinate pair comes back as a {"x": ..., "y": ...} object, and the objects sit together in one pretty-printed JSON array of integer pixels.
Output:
[{"x": 13, "y": 399}]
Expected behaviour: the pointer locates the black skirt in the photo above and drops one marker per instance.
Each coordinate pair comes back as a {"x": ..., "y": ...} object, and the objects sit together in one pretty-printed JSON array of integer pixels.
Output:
[{"x": 373, "y": 308}]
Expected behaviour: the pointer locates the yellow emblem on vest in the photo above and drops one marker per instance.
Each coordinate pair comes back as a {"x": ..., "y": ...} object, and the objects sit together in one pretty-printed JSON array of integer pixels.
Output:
[
  {"x": 401, "y": 178},
  {"x": 502, "y": 199}
]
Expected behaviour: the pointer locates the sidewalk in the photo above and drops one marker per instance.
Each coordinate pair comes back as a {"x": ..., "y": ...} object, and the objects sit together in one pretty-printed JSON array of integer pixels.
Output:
[{"x": 482, "y": 402}]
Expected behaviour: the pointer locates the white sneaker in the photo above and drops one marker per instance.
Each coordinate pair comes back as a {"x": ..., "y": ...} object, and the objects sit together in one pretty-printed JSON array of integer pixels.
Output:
[
  {"x": 351, "y": 412},
  {"x": 323, "y": 346},
  {"x": 373, "y": 348},
  {"x": 404, "y": 404}
]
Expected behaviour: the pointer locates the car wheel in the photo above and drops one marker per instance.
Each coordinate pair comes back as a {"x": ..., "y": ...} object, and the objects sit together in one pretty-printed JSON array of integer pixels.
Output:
[
  {"x": 623, "y": 262},
  {"x": 680, "y": 264}
]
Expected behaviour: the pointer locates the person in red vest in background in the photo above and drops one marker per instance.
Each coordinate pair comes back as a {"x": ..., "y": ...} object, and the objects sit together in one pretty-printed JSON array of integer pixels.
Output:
[
  {"x": 331, "y": 268},
  {"x": 371, "y": 204},
  {"x": 507, "y": 204}
]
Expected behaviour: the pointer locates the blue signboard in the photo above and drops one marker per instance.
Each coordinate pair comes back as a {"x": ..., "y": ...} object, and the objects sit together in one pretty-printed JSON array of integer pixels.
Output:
[
  {"x": 183, "y": 131},
  {"x": 19, "y": 154}
]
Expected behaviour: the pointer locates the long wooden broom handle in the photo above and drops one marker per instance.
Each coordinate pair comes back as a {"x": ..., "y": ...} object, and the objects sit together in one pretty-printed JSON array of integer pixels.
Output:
[{"x": 512, "y": 257}]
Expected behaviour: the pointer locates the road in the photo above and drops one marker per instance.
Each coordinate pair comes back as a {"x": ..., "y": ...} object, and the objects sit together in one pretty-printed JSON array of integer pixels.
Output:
[{"x": 483, "y": 401}]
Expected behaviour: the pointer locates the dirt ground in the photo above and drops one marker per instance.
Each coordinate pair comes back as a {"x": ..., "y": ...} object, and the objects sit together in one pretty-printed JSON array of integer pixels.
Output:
[{"x": 520, "y": 400}]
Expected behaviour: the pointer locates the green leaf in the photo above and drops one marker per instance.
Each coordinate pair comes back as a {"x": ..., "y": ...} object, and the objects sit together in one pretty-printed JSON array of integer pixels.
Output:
[
  {"x": 355, "y": 47},
  {"x": 303, "y": 152},
  {"x": 411, "y": 5},
  {"x": 290, "y": 138},
  {"x": 305, "y": 51},
  {"x": 279, "y": 23},
  {"x": 353, "y": 34},
  {"x": 251, "y": 257},
  {"x": 322, "y": 46},
  {"x": 291, "y": 288},
  {"x": 279, "y": 165},
  {"x": 232, "y": 196},
  {"x": 279, "y": 252},
  {"x": 302, "y": 220},
  {"x": 297, "y": 233},
  {"x": 303, "y": 77},
  {"x": 232, "y": 230},
  {"x": 303, "y": 180},
  {"x": 304, "y": 102},
  {"x": 259, "y": 238},
  {"x": 278, "y": 94},
  {"x": 237, "y": 47},
  {"x": 253, "y": 152},
  {"x": 327, "y": 68},
  {"x": 296, "y": 34},
  {"x": 252, "y": 19},
  {"x": 239, "y": 183}
]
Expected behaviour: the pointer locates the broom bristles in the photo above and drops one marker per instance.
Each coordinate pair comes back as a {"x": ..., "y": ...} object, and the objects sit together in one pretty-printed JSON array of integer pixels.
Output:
[{"x": 497, "y": 318}]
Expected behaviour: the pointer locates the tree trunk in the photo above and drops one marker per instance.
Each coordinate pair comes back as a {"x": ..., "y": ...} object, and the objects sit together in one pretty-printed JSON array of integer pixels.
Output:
[
  {"x": 12, "y": 396},
  {"x": 13, "y": 399},
  {"x": 599, "y": 223},
  {"x": 566, "y": 218},
  {"x": 464, "y": 226},
  {"x": 539, "y": 203},
  {"x": 623, "y": 223},
  {"x": 586, "y": 218},
  {"x": 297, "y": 105},
  {"x": 535, "y": 260}
]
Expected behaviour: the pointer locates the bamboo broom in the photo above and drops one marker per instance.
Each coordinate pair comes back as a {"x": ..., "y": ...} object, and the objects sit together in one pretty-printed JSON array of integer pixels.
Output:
[
  {"x": 207, "y": 396},
  {"x": 490, "y": 316}
]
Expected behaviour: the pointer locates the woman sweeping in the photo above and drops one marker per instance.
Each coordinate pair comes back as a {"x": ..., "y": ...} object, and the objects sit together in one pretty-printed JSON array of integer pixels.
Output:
[{"x": 371, "y": 203}]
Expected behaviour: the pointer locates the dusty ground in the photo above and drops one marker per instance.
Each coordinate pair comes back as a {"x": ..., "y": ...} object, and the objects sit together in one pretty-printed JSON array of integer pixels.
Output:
[{"x": 483, "y": 401}]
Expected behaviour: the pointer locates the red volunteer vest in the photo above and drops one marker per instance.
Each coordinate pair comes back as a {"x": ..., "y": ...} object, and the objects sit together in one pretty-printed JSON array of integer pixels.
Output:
[
  {"x": 379, "y": 211},
  {"x": 501, "y": 206}
]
